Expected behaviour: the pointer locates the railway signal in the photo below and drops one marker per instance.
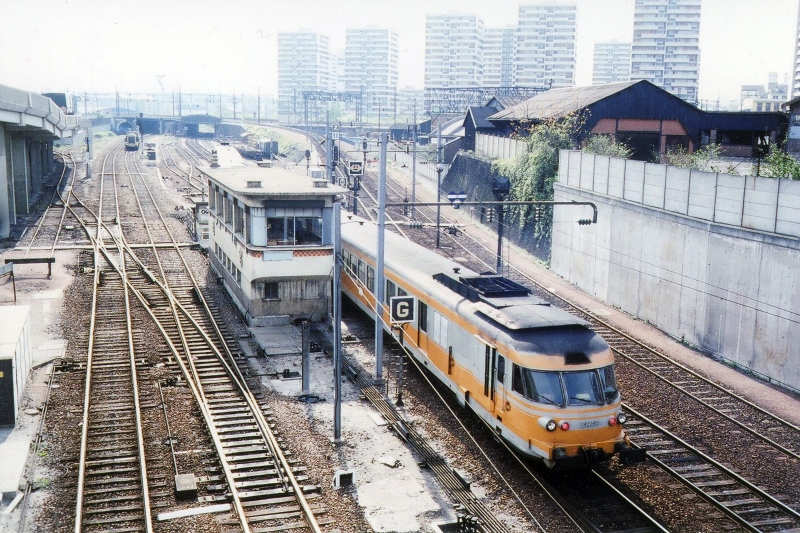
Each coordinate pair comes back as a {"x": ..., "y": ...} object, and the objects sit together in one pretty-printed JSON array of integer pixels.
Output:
[
  {"x": 457, "y": 198},
  {"x": 356, "y": 168}
]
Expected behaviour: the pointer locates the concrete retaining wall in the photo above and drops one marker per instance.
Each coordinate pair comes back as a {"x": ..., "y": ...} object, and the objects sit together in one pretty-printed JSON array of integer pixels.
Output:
[{"x": 709, "y": 258}]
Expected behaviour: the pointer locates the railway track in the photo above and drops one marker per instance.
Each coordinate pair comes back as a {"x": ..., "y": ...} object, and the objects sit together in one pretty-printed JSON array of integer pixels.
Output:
[
  {"x": 779, "y": 436},
  {"x": 265, "y": 487},
  {"x": 113, "y": 491}
]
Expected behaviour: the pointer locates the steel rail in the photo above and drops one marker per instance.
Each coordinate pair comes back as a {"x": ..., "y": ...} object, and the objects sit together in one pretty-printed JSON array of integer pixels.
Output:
[
  {"x": 232, "y": 370},
  {"x": 132, "y": 359},
  {"x": 719, "y": 466},
  {"x": 192, "y": 373},
  {"x": 40, "y": 222}
]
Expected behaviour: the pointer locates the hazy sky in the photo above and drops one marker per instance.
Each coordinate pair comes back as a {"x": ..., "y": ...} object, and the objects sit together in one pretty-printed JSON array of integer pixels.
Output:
[{"x": 95, "y": 45}]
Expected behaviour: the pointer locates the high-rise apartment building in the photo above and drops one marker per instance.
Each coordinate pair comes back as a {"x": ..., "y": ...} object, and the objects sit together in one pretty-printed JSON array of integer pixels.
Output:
[
  {"x": 453, "y": 51},
  {"x": 666, "y": 49},
  {"x": 304, "y": 64},
  {"x": 545, "y": 47},
  {"x": 371, "y": 68},
  {"x": 795, "y": 85},
  {"x": 612, "y": 62},
  {"x": 498, "y": 57}
]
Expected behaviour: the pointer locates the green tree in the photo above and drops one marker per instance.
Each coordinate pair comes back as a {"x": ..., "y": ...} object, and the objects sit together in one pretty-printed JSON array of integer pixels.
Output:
[
  {"x": 604, "y": 144},
  {"x": 533, "y": 172},
  {"x": 779, "y": 164}
]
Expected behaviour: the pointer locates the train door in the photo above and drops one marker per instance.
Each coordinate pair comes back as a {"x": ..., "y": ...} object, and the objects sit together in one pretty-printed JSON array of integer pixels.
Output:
[
  {"x": 489, "y": 379},
  {"x": 500, "y": 377}
]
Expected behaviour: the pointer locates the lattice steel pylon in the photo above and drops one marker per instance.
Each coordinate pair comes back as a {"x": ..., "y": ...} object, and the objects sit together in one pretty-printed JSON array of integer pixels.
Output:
[
  {"x": 333, "y": 96},
  {"x": 456, "y": 100}
]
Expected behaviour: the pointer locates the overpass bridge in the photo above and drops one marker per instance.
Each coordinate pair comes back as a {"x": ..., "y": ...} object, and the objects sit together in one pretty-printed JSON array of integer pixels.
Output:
[{"x": 29, "y": 123}]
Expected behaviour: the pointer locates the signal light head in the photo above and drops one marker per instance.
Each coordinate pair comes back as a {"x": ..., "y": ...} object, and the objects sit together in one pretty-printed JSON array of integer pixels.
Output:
[{"x": 564, "y": 426}]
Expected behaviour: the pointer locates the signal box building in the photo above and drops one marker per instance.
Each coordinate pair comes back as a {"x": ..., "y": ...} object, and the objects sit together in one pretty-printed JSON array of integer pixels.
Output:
[{"x": 271, "y": 241}]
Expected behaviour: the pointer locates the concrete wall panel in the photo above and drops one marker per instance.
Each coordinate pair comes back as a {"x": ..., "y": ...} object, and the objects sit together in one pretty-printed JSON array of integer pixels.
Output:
[
  {"x": 702, "y": 194},
  {"x": 634, "y": 181},
  {"x": 574, "y": 166},
  {"x": 677, "y": 187},
  {"x": 587, "y": 171},
  {"x": 616, "y": 177},
  {"x": 600, "y": 179},
  {"x": 776, "y": 325},
  {"x": 655, "y": 180},
  {"x": 761, "y": 203},
  {"x": 730, "y": 200},
  {"x": 694, "y": 265},
  {"x": 788, "y": 222}
]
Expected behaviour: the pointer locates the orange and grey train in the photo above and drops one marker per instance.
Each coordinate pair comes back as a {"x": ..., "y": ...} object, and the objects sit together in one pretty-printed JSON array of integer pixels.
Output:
[{"x": 537, "y": 375}]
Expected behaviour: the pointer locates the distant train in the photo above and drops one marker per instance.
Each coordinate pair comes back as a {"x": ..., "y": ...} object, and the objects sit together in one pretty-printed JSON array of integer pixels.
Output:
[
  {"x": 537, "y": 375},
  {"x": 131, "y": 140},
  {"x": 268, "y": 148},
  {"x": 64, "y": 101}
]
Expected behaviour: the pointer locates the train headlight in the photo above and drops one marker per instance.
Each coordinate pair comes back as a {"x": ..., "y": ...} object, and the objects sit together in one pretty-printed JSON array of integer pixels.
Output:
[
  {"x": 622, "y": 418},
  {"x": 612, "y": 420},
  {"x": 564, "y": 426},
  {"x": 551, "y": 425}
]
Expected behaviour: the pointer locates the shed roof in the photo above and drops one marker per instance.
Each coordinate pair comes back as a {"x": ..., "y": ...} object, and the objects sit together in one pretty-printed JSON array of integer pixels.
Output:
[
  {"x": 479, "y": 116},
  {"x": 557, "y": 103}
]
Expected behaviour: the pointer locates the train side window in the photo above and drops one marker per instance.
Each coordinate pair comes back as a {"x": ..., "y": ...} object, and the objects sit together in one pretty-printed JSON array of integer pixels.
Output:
[
  {"x": 361, "y": 272},
  {"x": 609, "y": 383},
  {"x": 370, "y": 279},
  {"x": 391, "y": 290},
  {"x": 501, "y": 368},
  {"x": 423, "y": 316},
  {"x": 401, "y": 292}
]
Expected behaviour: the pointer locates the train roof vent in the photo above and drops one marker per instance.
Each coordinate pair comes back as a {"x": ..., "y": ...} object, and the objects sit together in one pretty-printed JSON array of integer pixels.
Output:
[
  {"x": 493, "y": 286},
  {"x": 456, "y": 286}
]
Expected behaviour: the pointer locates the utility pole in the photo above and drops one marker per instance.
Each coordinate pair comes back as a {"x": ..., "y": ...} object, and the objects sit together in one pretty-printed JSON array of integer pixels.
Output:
[
  {"x": 414, "y": 163},
  {"x": 439, "y": 169},
  {"x": 328, "y": 155},
  {"x": 380, "y": 284},
  {"x": 337, "y": 323}
]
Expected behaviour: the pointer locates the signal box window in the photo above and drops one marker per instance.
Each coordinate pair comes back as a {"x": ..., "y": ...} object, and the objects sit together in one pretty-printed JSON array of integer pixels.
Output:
[{"x": 268, "y": 290}]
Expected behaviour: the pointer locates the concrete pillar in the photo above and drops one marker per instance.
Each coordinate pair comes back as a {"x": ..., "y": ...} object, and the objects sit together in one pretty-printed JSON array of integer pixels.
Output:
[
  {"x": 47, "y": 157},
  {"x": 21, "y": 174},
  {"x": 35, "y": 162},
  {"x": 6, "y": 190}
]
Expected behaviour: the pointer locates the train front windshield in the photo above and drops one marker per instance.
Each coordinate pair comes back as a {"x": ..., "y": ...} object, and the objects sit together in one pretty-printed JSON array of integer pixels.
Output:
[{"x": 587, "y": 387}]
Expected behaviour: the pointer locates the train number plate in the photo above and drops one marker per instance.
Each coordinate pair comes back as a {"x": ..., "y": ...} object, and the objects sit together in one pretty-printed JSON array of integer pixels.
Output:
[{"x": 588, "y": 424}]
